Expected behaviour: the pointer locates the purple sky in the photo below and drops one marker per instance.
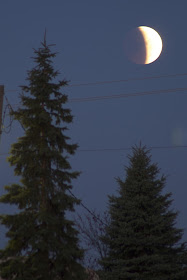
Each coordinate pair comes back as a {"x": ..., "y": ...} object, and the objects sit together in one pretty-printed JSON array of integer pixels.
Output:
[{"x": 90, "y": 38}]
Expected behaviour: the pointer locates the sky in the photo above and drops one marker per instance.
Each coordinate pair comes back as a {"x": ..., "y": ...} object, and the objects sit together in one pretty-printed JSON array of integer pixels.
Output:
[{"x": 90, "y": 40}]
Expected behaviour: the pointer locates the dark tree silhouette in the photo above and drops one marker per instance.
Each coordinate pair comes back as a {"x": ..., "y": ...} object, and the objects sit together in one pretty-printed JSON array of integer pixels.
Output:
[
  {"x": 142, "y": 238},
  {"x": 43, "y": 243}
]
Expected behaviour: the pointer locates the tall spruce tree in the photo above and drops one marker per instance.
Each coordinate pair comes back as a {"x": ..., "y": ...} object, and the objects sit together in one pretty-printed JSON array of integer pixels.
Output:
[
  {"x": 142, "y": 239},
  {"x": 43, "y": 242}
]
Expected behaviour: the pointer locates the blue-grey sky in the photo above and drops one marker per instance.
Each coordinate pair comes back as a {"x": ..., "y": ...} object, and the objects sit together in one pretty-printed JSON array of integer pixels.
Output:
[{"x": 90, "y": 37}]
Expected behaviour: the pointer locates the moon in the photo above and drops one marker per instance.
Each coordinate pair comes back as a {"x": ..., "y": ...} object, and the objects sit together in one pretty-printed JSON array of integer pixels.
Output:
[{"x": 143, "y": 45}]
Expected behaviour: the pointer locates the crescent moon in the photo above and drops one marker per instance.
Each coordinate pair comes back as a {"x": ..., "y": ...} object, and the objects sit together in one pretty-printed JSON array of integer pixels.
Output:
[
  {"x": 143, "y": 45},
  {"x": 153, "y": 43}
]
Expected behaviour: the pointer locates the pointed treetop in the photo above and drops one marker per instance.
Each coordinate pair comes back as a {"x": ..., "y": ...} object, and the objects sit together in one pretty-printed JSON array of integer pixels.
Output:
[{"x": 45, "y": 36}]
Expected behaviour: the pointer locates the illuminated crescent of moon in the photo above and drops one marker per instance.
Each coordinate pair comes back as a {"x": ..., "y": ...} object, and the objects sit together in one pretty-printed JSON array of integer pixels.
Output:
[
  {"x": 143, "y": 45},
  {"x": 153, "y": 43}
]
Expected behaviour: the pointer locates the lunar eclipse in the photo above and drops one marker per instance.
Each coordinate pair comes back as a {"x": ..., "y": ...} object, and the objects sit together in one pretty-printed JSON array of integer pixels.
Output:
[{"x": 143, "y": 45}]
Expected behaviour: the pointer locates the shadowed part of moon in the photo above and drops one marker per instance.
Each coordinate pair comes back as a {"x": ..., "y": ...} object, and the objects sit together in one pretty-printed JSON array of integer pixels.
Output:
[{"x": 135, "y": 46}]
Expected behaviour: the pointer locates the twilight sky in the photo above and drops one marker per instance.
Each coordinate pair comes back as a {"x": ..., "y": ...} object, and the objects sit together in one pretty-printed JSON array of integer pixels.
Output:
[{"x": 90, "y": 37}]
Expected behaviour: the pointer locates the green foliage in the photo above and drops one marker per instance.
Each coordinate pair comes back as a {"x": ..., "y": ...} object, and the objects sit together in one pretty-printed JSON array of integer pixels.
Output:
[
  {"x": 43, "y": 243},
  {"x": 142, "y": 240}
]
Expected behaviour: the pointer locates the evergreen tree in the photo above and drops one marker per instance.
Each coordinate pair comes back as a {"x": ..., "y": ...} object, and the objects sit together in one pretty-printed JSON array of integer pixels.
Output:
[
  {"x": 142, "y": 239},
  {"x": 43, "y": 243}
]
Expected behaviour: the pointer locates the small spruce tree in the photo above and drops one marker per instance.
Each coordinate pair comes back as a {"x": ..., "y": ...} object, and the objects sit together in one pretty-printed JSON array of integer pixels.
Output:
[
  {"x": 143, "y": 242},
  {"x": 43, "y": 243}
]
